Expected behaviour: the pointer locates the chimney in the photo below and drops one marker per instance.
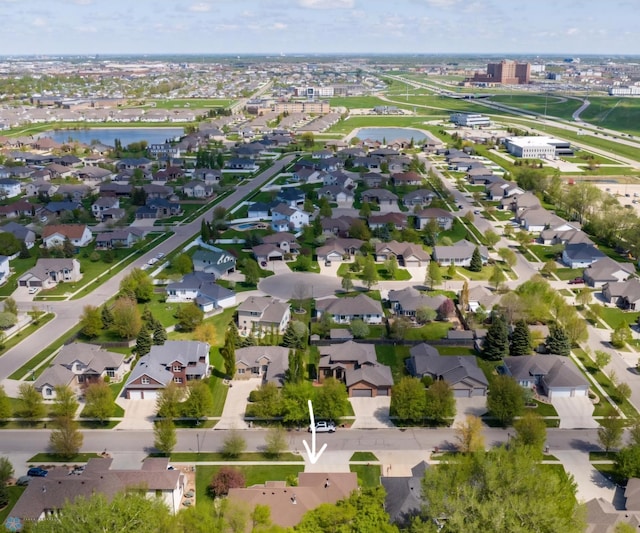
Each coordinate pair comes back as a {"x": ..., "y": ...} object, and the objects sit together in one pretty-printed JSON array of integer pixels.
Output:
[{"x": 293, "y": 500}]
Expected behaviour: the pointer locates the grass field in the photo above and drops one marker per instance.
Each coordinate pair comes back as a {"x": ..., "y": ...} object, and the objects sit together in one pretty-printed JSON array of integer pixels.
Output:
[{"x": 368, "y": 475}]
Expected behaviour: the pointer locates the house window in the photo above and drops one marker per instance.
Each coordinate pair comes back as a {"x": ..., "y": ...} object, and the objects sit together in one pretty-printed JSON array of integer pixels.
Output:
[
  {"x": 144, "y": 380},
  {"x": 177, "y": 380},
  {"x": 177, "y": 368},
  {"x": 111, "y": 373},
  {"x": 240, "y": 370},
  {"x": 48, "y": 391}
]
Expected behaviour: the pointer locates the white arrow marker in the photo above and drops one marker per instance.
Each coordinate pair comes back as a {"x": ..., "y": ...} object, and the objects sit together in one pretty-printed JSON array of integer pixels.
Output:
[{"x": 313, "y": 457}]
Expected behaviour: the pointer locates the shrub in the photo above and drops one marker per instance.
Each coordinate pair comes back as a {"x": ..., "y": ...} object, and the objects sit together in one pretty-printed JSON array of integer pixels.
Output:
[{"x": 226, "y": 478}]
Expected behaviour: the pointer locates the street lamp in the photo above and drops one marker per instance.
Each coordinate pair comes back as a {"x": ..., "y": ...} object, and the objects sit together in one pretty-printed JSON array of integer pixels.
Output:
[{"x": 198, "y": 442}]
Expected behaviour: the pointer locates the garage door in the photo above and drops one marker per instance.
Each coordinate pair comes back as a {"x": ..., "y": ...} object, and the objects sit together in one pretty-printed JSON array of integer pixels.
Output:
[
  {"x": 362, "y": 393},
  {"x": 478, "y": 392},
  {"x": 22, "y": 283},
  {"x": 383, "y": 392},
  {"x": 461, "y": 393},
  {"x": 135, "y": 394},
  {"x": 560, "y": 393},
  {"x": 150, "y": 395}
]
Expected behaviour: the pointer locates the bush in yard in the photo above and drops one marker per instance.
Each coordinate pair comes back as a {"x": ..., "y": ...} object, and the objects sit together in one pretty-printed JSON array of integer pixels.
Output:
[
  {"x": 226, "y": 478},
  {"x": 7, "y": 320}
]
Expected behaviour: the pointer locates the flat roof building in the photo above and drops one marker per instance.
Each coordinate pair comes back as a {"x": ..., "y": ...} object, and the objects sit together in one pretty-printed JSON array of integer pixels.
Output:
[
  {"x": 506, "y": 72},
  {"x": 470, "y": 120},
  {"x": 537, "y": 147}
]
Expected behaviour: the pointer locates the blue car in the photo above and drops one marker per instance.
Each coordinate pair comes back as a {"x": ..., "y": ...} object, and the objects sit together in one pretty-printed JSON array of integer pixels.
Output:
[{"x": 37, "y": 472}]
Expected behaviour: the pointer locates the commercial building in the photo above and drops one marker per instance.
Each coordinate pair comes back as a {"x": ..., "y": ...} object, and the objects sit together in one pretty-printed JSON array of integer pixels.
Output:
[
  {"x": 537, "y": 147},
  {"x": 470, "y": 120},
  {"x": 631, "y": 90},
  {"x": 506, "y": 72}
]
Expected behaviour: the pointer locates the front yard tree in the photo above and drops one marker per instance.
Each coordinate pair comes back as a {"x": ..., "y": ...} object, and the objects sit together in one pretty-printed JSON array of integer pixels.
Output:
[
  {"x": 90, "y": 322},
  {"x": 408, "y": 400},
  {"x": 531, "y": 431},
  {"x": 506, "y": 399},
  {"x": 476, "y": 261},
  {"x": 549, "y": 268},
  {"x": 137, "y": 285},
  {"x": 494, "y": 491},
  {"x": 168, "y": 402},
  {"x": 508, "y": 256},
  {"x": 10, "y": 306},
  {"x": 611, "y": 431},
  {"x": 520, "y": 339},
  {"x": 66, "y": 439},
  {"x": 165, "y": 438},
  {"x": 189, "y": 317},
  {"x": 347, "y": 281},
  {"x": 558, "y": 341},
  {"x": 295, "y": 336},
  {"x": 440, "y": 402},
  {"x": 496, "y": 343},
  {"x": 497, "y": 277},
  {"x": 126, "y": 318},
  {"x": 199, "y": 400},
  {"x": 99, "y": 401},
  {"x": 584, "y": 296},
  {"x": 621, "y": 335},
  {"x": 602, "y": 360},
  {"x": 295, "y": 372},
  {"x": 251, "y": 272},
  {"x": 31, "y": 403},
  {"x": 391, "y": 266},
  {"x": 5, "y": 405},
  {"x": 159, "y": 333},
  {"x": 332, "y": 399},
  {"x": 294, "y": 402},
  {"x": 627, "y": 463},
  {"x": 433, "y": 275},
  {"x": 369, "y": 273},
  {"x": 275, "y": 442},
  {"x": 469, "y": 435},
  {"x": 491, "y": 237},
  {"x": 65, "y": 404}
]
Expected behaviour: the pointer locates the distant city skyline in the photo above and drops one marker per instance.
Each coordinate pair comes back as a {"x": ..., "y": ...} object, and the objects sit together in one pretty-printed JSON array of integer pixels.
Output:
[{"x": 545, "y": 27}]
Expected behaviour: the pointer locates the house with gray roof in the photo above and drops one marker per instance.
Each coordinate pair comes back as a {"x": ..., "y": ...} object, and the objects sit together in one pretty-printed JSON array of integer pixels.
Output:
[
  {"x": 581, "y": 255},
  {"x": 537, "y": 219},
  {"x": 607, "y": 270},
  {"x": 78, "y": 365},
  {"x": 625, "y": 294},
  {"x": 461, "y": 372},
  {"x": 407, "y": 254},
  {"x": 518, "y": 202},
  {"x": 553, "y": 376},
  {"x": 480, "y": 296},
  {"x": 291, "y": 196},
  {"x": 48, "y": 272},
  {"x": 420, "y": 197},
  {"x": 391, "y": 219},
  {"x": 442, "y": 217},
  {"x": 200, "y": 287},
  {"x": 267, "y": 362},
  {"x": 406, "y": 302},
  {"x": 382, "y": 197},
  {"x": 20, "y": 232},
  {"x": 263, "y": 313},
  {"x": 212, "y": 260},
  {"x": 403, "y": 500},
  {"x": 46, "y": 496},
  {"x": 266, "y": 253},
  {"x": 175, "y": 361},
  {"x": 339, "y": 249},
  {"x": 459, "y": 254},
  {"x": 344, "y": 310},
  {"x": 284, "y": 240},
  {"x": 356, "y": 365}
]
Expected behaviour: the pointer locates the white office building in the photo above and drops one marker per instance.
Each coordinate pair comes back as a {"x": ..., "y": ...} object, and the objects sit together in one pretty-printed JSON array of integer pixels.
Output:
[
  {"x": 470, "y": 120},
  {"x": 537, "y": 147}
]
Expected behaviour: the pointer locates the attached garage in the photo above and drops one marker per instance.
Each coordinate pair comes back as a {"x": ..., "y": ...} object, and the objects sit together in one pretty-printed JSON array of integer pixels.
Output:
[
  {"x": 461, "y": 393},
  {"x": 134, "y": 394},
  {"x": 479, "y": 391},
  {"x": 362, "y": 393},
  {"x": 142, "y": 394}
]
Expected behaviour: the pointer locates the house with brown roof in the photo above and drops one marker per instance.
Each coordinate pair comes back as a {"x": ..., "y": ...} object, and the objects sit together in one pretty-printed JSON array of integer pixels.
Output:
[
  {"x": 263, "y": 313},
  {"x": 382, "y": 197},
  {"x": 284, "y": 240},
  {"x": 267, "y": 362},
  {"x": 54, "y": 235},
  {"x": 45, "y": 496},
  {"x": 356, "y": 365},
  {"x": 287, "y": 504},
  {"x": 17, "y": 209},
  {"x": 407, "y": 301},
  {"x": 339, "y": 226},
  {"x": 393, "y": 219},
  {"x": 406, "y": 178},
  {"x": 442, "y": 217},
  {"x": 48, "y": 272},
  {"x": 340, "y": 249},
  {"x": 344, "y": 310},
  {"x": 407, "y": 254}
]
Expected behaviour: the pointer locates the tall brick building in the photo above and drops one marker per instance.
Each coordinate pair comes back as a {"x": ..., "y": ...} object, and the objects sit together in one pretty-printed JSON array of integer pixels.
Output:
[{"x": 506, "y": 72}]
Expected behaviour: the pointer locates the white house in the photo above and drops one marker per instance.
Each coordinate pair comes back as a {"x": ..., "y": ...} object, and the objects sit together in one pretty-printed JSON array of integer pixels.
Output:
[
  {"x": 56, "y": 234},
  {"x": 284, "y": 217},
  {"x": 9, "y": 188},
  {"x": 5, "y": 270}
]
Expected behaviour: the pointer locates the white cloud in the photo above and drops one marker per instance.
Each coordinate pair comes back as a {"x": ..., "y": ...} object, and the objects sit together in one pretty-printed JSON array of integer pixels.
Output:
[
  {"x": 200, "y": 7},
  {"x": 39, "y": 22},
  {"x": 83, "y": 2},
  {"x": 279, "y": 26},
  {"x": 327, "y": 4},
  {"x": 573, "y": 31},
  {"x": 442, "y": 3}
]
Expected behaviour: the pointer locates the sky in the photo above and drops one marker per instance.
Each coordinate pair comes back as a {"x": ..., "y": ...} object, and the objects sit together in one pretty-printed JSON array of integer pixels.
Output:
[{"x": 564, "y": 27}]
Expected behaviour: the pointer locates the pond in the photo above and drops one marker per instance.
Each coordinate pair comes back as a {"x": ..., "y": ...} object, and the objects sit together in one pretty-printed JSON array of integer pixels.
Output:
[
  {"x": 108, "y": 135},
  {"x": 390, "y": 134}
]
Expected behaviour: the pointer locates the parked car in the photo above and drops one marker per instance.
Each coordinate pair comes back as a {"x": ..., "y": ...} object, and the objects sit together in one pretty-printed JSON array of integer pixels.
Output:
[
  {"x": 160, "y": 255},
  {"x": 576, "y": 281},
  {"x": 33, "y": 290},
  {"x": 324, "y": 427},
  {"x": 36, "y": 471},
  {"x": 23, "y": 481}
]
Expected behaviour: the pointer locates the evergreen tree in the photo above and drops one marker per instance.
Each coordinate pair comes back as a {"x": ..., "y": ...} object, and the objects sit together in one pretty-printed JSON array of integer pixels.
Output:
[
  {"x": 159, "y": 333},
  {"x": 68, "y": 249},
  {"x": 476, "y": 261},
  {"x": 24, "y": 251},
  {"x": 520, "y": 339},
  {"x": 464, "y": 296},
  {"x": 228, "y": 352},
  {"x": 558, "y": 341},
  {"x": 295, "y": 372},
  {"x": 496, "y": 343},
  {"x": 107, "y": 317},
  {"x": 295, "y": 336},
  {"x": 205, "y": 231},
  {"x": 143, "y": 342}
]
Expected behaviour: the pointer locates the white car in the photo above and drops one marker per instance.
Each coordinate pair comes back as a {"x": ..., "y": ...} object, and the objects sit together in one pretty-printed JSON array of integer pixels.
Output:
[
  {"x": 153, "y": 261},
  {"x": 324, "y": 427},
  {"x": 33, "y": 290},
  {"x": 160, "y": 255}
]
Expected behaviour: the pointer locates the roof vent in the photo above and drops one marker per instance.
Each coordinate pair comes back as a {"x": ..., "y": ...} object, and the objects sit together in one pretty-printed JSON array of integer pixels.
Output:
[{"x": 293, "y": 500}]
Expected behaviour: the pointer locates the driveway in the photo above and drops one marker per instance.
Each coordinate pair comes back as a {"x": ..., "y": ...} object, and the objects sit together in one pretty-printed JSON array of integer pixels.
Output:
[
  {"x": 138, "y": 414},
  {"x": 282, "y": 286},
  {"x": 476, "y": 406},
  {"x": 371, "y": 413},
  {"x": 236, "y": 403},
  {"x": 575, "y": 413}
]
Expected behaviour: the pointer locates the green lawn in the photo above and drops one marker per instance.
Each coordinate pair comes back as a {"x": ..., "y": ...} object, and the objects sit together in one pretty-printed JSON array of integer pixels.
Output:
[
  {"x": 568, "y": 274},
  {"x": 363, "y": 456},
  {"x": 455, "y": 350},
  {"x": 545, "y": 253},
  {"x": 428, "y": 332},
  {"x": 46, "y": 458},
  {"x": 457, "y": 232},
  {"x": 190, "y": 457},
  {"x": 368, "y": 475},
  {"x": 545, "y": 409},
  {"x": 394, "y": 357},
  {"x": 614, "y": 316},
  {"x": 14, "y": 495}
]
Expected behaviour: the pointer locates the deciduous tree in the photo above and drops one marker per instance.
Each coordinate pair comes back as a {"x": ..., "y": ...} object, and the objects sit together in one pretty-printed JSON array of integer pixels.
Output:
[
  {"x": 66, "y": 439},
  {"x": 234, "y": 444},
  {"x": 31, "y": 403},
  {"x": 189, "y": 317},
  {"x": 99, "y": 401},
  {"x": 433, "y": 275},
  {"x": 506, "y": 399},
  {"x": 169, "y": 401},
  {"x": 5, "y": 405},
  {"x": 226, "y": 478},
  {"x": 90, "y": 322},
  {"x": 199, "y": 400},
  {"x": 440, "y": 402},
  {"x": 165, "y": 438},
  {"x": 126, "y": 318},
  {"x": 610, "y": 431},
  {"x": 408, "y": 399},
  {"x": 331, "y": 400},
  {"x": 469, "y": 434},
  {"x": 65, "y": 404},
  {"x": 531, "y": 431}
]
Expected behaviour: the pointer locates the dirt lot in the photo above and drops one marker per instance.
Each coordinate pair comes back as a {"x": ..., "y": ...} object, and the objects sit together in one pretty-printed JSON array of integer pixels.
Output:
[{"x": 626, "y": 193}]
